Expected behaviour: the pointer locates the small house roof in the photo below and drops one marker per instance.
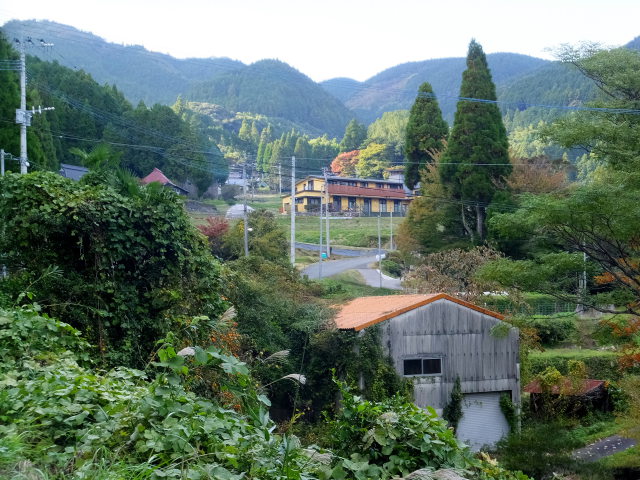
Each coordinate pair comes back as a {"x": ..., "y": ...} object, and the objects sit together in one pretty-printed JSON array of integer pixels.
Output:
[
  {"x": 567, "y": 387},
  {"x": 157, "y": 176},
  {"x": 363, "y": 312},
  {"x": 74, "y": 172}
]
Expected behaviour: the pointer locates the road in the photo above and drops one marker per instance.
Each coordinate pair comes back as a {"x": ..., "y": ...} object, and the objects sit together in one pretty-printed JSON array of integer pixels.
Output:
[
  {"x": 334, "y": 267},
  {"x": 371, "y": 275},
  {"x": 604, "y": 448},
  {"x": 343, "y": 251}
]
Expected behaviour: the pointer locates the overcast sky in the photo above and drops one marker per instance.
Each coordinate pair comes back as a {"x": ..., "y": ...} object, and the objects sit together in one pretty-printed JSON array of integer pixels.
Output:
[{"x": 340, "y": 38}]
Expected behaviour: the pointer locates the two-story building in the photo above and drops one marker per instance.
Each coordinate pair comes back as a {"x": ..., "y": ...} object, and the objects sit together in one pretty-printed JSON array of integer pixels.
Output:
[{"x": 359, "y": 196}]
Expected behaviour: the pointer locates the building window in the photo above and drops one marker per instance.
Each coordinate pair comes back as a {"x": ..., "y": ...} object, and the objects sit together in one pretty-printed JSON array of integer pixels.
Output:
[
  {"x": 383, "y": 205},
  {"x": 396, "y": 206},
  {"x": 422, "y": 366},
  {"x": 352, "y": 203}
]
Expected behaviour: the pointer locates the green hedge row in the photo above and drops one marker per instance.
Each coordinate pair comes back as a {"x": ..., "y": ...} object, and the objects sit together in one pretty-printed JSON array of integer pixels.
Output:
[
  {"x": 601, "y": 364},
  {"x": 536, "y": 304}
]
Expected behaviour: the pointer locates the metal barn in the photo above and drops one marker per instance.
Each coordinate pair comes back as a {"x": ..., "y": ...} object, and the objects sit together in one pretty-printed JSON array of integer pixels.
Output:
[{"x": 435, "y": 338}]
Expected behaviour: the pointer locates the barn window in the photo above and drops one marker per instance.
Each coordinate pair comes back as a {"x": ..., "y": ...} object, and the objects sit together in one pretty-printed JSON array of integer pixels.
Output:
[{"x": 422, "y": 366}]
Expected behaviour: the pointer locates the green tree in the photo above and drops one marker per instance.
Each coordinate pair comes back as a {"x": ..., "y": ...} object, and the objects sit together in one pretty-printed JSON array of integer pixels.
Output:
[
  {"x": 373, "y": 161},
  {"x": 354, "y": 136},
  {"x": 266, "y": 238},
  {"x": 390, "y": 128},
  {"x": 477, "y": 152},
  {"x": 592, "y": 227},
  {"x": 425, "y": 134}
]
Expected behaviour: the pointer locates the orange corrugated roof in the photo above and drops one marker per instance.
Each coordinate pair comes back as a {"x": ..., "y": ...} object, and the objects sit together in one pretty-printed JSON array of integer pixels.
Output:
[{"x": 366, "y": 311}]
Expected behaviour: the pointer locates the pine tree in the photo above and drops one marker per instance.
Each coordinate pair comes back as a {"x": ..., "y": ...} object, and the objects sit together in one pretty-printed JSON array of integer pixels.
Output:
[
  {"x": 354, "y": 136},
  {"x": 426, "y": 131},
  {"x": 477, "y": 152}
]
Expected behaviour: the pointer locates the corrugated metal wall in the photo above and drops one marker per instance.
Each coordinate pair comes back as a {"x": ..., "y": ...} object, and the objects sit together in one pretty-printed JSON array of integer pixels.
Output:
[{"x": 462, "y": 338}]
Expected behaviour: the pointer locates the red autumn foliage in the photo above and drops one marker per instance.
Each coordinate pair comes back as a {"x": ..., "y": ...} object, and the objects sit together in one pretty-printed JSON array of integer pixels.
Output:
[{"x": 344, "y": 164}]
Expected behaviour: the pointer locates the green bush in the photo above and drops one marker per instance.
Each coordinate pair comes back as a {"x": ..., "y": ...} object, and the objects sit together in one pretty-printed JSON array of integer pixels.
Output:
[
  {"x": 391, "y": 268},
  {"x": 534, "y": 304},
  {"x": 119, "y": 261},
  {"x": 72, "y": 422},
  {"x": 553, "y": 330},
  {"x": 395, "y": 437},
  {"x": 601, "y": 365}
]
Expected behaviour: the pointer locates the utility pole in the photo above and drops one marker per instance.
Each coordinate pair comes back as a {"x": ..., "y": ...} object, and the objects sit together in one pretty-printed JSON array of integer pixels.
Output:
[
  {"x": 326, "y": 190},
  {"x": 379, "y": 252},
  {"x": 321, "y": 252},
  {"x": 2, "y": 162},
  {"x": 391, "y": 226},
  {"x": 292, "y": 254},
  {"x": 246, "y": 222},
  {"x": 23, "y": 116},
  {"x": 280, "y": 178}
]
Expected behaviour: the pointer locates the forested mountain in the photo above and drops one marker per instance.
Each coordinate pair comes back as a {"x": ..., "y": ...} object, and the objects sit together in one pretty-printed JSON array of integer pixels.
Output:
[
  {"x": 552, "y": 84},
  {"x": 88, "y": 114},
  {"x": 138, "y": 73},
  {"x": 273, "y": 88},
  {"x": 396, "y": 87}
]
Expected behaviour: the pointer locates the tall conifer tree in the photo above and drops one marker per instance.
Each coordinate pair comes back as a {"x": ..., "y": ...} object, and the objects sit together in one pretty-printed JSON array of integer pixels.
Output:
[
  {"x": 426, "y": 131},
  {"x": 354, "y": 136},
  {"x": 477, "y": 152}
]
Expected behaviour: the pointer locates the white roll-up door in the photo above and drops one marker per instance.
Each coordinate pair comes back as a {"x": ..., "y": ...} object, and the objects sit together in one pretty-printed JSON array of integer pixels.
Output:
[{"x": 482, "y": 421}]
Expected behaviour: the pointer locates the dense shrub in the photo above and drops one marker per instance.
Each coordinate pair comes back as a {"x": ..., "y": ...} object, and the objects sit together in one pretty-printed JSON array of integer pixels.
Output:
[
  {"x": 553, "y": 330},
  {"x": 63, "y": 418},
  {"x": 395, "y": 437},
  {"x": 601, "y": 365},
  {"x": 119, "y": 261}
]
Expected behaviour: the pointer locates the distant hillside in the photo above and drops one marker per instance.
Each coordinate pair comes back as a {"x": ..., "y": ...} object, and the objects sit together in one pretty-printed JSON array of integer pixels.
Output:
[
  {"x": 635, "y": 43},
  {"x": 396, "y": 87},
  {"x": 138, "y": 73},
  {"x": 552, "y": 84},
  {"x": 274, "y": 89}
]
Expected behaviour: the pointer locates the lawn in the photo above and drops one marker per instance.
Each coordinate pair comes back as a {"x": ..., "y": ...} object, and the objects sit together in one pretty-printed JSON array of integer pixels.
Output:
[
  {"x": 344, "y": 231},
  {"x": 348, "y": 232}
]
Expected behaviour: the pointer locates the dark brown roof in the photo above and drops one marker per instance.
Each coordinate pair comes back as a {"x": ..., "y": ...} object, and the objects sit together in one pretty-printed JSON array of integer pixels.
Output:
[
  {"x": 363, "y": 312},
  {"x": 367, "y": 191},
  {"x": 567, "y": 387}
]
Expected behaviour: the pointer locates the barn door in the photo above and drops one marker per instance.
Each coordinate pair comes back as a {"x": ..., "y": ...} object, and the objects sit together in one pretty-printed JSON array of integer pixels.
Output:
[{"x": 482, "y": 421}]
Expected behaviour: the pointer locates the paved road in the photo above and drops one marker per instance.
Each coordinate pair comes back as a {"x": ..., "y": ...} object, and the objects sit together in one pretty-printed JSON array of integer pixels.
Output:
[
  {"x": 371, "y": 275},
  {"x": 345, "y": 252},
  {"x": 334, "y": 267},
  {"x": 604, "y": 448},
  {"x": 372, "y": 278}
]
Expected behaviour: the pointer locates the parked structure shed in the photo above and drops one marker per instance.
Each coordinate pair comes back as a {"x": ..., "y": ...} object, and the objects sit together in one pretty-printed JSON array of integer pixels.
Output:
[{"x": 435, "y": 338}]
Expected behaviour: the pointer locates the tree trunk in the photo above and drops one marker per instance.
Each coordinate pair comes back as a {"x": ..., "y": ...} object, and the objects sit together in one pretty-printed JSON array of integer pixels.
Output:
[
  {"x": 481, "y": 215},
  {"x": 465, "y": 224}
]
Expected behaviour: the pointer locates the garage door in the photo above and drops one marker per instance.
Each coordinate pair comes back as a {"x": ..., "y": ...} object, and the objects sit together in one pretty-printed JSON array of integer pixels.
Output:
[{"x": 482, "y": 421}]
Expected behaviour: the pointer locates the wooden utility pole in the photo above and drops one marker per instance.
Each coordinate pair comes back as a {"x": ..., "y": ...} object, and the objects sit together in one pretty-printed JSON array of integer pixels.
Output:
[
  {"x": 292, "y": 254},
  {"x": 246, "y": 220}
]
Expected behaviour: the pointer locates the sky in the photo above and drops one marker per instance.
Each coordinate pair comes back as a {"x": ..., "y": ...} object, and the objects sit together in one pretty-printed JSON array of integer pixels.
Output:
[{"x": 340, "y": 38}]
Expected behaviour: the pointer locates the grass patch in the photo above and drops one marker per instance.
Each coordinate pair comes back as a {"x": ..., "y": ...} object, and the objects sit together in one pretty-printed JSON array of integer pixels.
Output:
[
  {"x": 349, "y": 285},
  {"x": 348, "y": 232},
  {"x": 271, "y": 201},
  {"x": 629, "y": 458}
]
